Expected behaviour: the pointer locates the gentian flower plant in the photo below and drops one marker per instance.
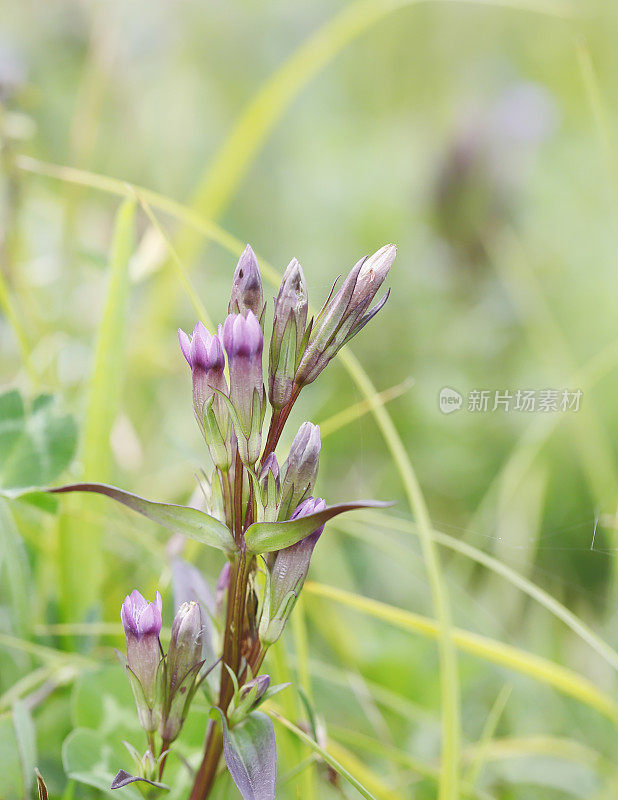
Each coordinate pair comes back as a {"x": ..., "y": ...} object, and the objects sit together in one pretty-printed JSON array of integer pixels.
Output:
[{"x": 263, "y": 514}]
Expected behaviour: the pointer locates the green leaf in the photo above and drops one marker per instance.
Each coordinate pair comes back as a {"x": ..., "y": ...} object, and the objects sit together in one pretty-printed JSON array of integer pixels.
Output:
[
  {"x": 102, "y": 700},
  {"x": 180, "y": 519},
  {"x": 36, "y": 443},
  {"x": 250, "y": 754},
  {"x": 25, "y": 737},
  {"x": 14, "y": 569},
  {"x": 267, "y": 537},
  {"x": 12, "y": 782},
  {"x": 88, "y": 758}
]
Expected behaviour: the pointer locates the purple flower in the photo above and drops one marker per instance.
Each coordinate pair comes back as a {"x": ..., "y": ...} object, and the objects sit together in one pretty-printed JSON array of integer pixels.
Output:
[
  {"x": 247, "y": 286},
  {"x": 243, "y": 341},
  {"x": 204, "y": 354},
  {"x": 288, "y": 574},
  {"x": 345, "y": 314},
  {"x": 142, "y": 622}
]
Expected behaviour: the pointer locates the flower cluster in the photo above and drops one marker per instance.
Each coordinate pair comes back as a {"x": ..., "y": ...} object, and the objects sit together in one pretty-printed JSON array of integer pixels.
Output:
[
  {"x": 163, "y": 685},
  {"x": 262, "y": 512}
]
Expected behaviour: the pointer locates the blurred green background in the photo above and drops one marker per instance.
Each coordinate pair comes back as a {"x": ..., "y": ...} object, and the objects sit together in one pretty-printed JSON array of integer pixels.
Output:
[{"x": 480, "y": 138}]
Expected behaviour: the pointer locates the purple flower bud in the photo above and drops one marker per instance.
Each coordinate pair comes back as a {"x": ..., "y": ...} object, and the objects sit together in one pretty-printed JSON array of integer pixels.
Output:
[
  {"x": 243, "y": 342},
  {"x": 247, "y": 698},
  {"x": 270, "y": 467},
  {"x": 242, "y": 336},
  {"x": 289, "y": 326},
  {"x": 288, "y": 574},
  {"x": 301, "y": 468},
  {"x": 247, "y": 286},
  {"x": 204, "y": 354},
  {"x": 185, "y": 649},
  {"x": 142, "y": 622},
  {"x": 345, "y": 314},
  {"x": 260, "y": 684}
]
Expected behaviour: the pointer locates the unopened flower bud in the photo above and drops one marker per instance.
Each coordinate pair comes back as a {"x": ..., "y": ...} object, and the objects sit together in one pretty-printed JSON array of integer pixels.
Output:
[
  {"x": 243, "y": 342},
  {"x": 184, "y": 660},
  {"x": 205, "y": 356},
  {"x": 270, "y": 483},
  {"x": 255, "y": 687},
  {"x": 247, "y": 698},
  {"x": 287, "y": 576},
  {"x": 300, "y": 468},
  {"x": 185, "y": 649},
  {"x": 371, "y": 276},
  {"x": 289, "y": 324},
  {"x": 142, "y": 622},
  {"x": 270, "y": 470},
  {"x": 247, "y": 286},
  {"x": 345, "y": 314}
]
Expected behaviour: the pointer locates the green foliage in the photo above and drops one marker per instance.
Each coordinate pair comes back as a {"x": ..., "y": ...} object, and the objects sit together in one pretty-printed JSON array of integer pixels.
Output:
[{"x": 37, "y": 443}]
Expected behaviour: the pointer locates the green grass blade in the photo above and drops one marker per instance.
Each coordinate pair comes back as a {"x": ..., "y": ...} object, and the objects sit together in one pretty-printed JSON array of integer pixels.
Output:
[
  {"x": 301, "y": 648},
  {"x": 81, "y": 566},
  {"x": 325, "y": 755},
  {"x": 354, "y": 412},
  {"x": 181, "y": 272},
  {"x": 10, "y": 312},
  {"x": 536, "y": 593},
  {"x": 449, "y": 677},
  {"x": 541, "y": 669},
  {"x": 487, "y": 734}
]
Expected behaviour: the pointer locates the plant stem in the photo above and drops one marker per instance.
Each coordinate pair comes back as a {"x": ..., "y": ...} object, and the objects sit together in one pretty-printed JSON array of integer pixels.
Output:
[
  {"x": 237, "y": 593},
  {"x": 277, "y": 422},
  {"x": 236, "y": 607},
  {"x": 164, "y": 748}
]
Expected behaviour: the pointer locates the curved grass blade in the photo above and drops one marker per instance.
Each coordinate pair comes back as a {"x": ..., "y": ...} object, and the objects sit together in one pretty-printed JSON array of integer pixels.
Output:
[
  {"x": 326, "y": 756},
  {"x": 541, "y": 669},
  {"x": 357, "y": 410},
  {"x": 535, "y": 592},
  {"x": 180, "y": 519}
]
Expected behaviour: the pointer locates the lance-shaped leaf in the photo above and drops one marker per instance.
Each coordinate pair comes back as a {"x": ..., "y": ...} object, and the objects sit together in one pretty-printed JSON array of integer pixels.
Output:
[
  {"x": 180, "y": 519},
  {"x": 250, "y": 754},
  {"x": 267, "y": 537},
  {"x": 124, "y": 778}
]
